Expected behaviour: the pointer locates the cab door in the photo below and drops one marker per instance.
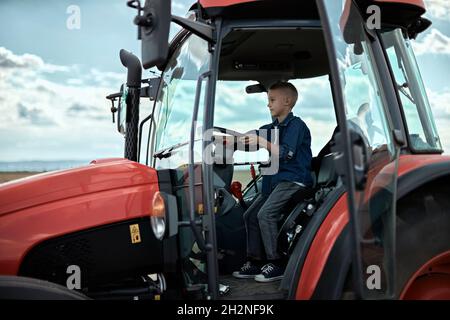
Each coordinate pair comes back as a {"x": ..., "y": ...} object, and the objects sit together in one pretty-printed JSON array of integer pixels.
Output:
[
  {"x": 366, "y": 154},
  {"x": 178, "y": 144}
]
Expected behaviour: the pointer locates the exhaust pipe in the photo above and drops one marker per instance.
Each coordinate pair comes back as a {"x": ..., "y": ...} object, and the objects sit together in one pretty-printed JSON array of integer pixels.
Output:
[
  {"x": 133, "y": 65},
  {"x": 134, "y": 74}
]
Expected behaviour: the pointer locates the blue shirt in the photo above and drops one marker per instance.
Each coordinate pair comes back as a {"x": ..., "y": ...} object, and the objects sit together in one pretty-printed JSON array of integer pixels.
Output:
[{"x": 295, "y": 153}]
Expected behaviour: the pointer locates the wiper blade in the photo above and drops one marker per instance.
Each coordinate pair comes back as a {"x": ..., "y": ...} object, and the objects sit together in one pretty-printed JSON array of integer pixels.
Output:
[
  {"x": 405, "y": 93},
  {"x": 167, "y": 152}
]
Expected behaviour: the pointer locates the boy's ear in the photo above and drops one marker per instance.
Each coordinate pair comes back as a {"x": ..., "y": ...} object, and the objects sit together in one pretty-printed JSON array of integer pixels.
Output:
[{"x": 288, "y": 100}]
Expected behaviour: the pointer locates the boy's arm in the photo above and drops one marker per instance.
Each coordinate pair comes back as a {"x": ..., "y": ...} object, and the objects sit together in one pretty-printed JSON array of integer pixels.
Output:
[
  {"x": 273, "y": 148},
  {"x": 238, "y": 142},
  {"x": 286, "y": 151}
]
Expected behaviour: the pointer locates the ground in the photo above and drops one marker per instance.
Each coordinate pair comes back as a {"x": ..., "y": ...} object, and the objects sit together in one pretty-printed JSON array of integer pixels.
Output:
[{"x": 8, "y": 176}]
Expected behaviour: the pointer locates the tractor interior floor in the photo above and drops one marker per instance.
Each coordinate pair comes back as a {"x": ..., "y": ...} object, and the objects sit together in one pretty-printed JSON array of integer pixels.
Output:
[{"x": 249, "y": 289}]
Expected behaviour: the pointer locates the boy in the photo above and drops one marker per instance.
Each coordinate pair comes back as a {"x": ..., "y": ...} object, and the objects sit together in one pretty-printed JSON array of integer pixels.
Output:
[{"x": 294, "y": 175}]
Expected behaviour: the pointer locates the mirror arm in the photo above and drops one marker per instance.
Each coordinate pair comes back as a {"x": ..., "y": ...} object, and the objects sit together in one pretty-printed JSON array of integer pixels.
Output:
[
  {"x": 152, "y": 89},
  {"x": 136, "y": 4},
  {"x": 202, "y": 30},
  {"x": 113, "y": 111},
  {"x": 113, "y": 97}
]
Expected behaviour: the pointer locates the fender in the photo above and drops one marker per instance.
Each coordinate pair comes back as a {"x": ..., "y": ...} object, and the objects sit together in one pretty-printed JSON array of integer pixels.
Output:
[
  {"x": 419, "y": 170},
  {"x": 413, "y": 172}
]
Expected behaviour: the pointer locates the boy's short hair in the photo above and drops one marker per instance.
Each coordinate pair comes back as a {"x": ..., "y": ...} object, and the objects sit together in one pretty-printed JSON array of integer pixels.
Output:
[{"x": 286, "y": 86}]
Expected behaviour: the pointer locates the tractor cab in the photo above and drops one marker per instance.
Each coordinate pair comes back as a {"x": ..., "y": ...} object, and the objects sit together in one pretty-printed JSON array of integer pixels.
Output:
[{"x": 360, "y": 94}]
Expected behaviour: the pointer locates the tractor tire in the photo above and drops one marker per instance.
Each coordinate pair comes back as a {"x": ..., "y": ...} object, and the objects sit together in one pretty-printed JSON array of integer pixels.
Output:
[
  {"x": 423, "y": 229},
  {"x": 22, "y": 288}
]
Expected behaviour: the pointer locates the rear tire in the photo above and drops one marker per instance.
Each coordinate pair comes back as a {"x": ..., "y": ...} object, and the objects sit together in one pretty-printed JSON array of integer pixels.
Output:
[
  {"x": 423, "y": 224},
  {"x": 422, "y": 232}
]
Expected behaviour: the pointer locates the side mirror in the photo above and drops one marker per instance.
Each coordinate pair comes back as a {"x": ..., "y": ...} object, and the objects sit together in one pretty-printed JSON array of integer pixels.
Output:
[
  {"x": 154, "y": 24},
  {"x": 122, "y": 109}
]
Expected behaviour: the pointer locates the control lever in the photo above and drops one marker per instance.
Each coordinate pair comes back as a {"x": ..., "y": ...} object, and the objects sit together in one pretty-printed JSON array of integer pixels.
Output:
[
  {"x": 236, "y": 190},
  {"x": 253, "y": 173}
]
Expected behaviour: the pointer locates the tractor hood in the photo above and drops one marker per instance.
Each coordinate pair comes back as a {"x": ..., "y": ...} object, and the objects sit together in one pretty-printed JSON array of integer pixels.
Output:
[{"x": 99, "y": 175}]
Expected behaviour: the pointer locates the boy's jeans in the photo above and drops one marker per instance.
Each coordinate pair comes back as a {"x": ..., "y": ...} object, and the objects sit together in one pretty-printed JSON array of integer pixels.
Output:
[{"x": 261, "y": 220}]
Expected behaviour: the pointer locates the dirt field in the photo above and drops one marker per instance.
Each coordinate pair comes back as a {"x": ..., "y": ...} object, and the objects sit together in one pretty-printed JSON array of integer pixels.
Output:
[
  {"x": 243, "y": 177},
  {"x": 8, "y": 176}
]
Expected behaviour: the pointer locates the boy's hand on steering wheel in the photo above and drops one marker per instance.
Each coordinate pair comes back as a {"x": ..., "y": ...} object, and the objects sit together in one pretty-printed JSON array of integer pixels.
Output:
[
  {"x": 250, "y": 140},
  {"x": 229, "y": 141},
  {"x": 254, "y": 140}
]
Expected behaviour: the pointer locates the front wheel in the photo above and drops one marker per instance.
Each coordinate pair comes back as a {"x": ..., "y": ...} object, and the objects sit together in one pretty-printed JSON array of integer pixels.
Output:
[{"x": 23, "y": 288}]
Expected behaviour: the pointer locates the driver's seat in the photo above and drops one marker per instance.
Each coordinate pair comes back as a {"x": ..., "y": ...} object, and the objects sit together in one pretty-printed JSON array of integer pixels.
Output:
[
  {"x": 225, "y": 172},
  {"x": 298, "y": 218}
]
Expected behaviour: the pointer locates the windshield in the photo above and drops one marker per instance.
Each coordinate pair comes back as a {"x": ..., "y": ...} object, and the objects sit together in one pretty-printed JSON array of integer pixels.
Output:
[
  {"x": 174, "y": 108},
  {"x": 420, "y": 125}
]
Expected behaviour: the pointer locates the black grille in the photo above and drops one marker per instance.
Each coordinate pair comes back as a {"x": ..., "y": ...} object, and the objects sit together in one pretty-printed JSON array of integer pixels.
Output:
[{"x": 102, "y": 254}]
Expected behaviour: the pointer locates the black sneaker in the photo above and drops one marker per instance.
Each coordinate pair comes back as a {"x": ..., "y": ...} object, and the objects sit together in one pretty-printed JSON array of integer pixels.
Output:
[
  {"x": 270, "y": 272},
  {"x": 248, "y": 271}
]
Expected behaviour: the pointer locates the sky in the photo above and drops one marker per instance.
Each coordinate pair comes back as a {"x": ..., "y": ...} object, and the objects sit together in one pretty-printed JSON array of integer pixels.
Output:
[{"x": 55, "y": 72}]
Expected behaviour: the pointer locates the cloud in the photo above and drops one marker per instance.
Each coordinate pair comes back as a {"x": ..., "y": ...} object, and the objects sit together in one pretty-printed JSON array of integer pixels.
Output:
[
  {"x": 438, "y": 8},
  {"x": 103, "y": 78},
  {"x": 91, "y": 112},
  {"x": 34, "y": 115},
  {"x": 52, "y": 68},
  {"x": 433, "y": 42},
  {"x": 74, "y": 82},
  {"x": 47, "y": 111},
  {"x": 78, "y": 108},
  {"x": 440, "y": 103},
  {"x": 8, "y": 60},
  {"x": 180, "y": 8},
  {"x": 440, "y": 107}
]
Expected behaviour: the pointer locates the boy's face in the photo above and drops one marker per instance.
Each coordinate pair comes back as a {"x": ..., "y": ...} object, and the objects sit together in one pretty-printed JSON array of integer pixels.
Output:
[{"x": 280, "y": 102}]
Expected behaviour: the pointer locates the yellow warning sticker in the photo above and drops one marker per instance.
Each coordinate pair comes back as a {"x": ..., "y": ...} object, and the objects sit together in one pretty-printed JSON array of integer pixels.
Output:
[{"x": 135, "y": 234}]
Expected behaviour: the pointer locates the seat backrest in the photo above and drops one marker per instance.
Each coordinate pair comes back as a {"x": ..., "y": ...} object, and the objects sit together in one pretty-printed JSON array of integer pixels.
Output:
[
  {"x": 327, "y": 173},
  {"x": 314, "y": 179},
  {"x": 225, "y": 172}
]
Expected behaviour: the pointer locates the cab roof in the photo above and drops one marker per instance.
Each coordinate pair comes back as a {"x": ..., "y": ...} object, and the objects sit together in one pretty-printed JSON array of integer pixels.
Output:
[
  {"x": 395, "y": 12},
  {"x": 227, "y": 3}
]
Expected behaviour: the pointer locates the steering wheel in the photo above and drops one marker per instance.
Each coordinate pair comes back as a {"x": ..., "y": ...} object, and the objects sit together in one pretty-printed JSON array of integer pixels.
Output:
[{"x": 227, "y": 131}]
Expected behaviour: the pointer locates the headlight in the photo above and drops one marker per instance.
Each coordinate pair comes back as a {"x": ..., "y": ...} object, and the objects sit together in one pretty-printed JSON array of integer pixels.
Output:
[
  {"x": 158, "y": 226},
  {"x": 158, "y": 216}
]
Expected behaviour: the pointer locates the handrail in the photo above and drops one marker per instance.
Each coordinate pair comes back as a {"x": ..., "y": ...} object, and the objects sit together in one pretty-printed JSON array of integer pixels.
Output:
[{"x": 198, "y": 236}]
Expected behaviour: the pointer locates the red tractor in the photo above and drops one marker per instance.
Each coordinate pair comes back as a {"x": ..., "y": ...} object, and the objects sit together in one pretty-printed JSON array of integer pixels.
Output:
[{"x": 165, "y": 222}]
